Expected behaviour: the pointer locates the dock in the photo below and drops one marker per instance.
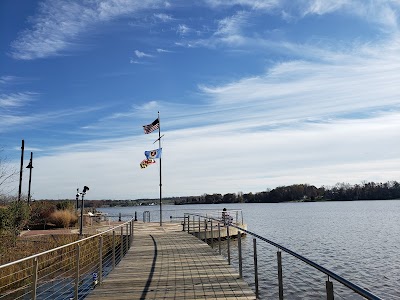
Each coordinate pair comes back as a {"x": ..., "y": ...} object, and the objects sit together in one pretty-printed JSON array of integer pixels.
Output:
[{"x": 167, "y": 263}]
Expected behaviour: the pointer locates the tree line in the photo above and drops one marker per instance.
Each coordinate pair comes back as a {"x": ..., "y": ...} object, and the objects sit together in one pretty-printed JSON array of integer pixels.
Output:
[{"x": 304, "y": 193}]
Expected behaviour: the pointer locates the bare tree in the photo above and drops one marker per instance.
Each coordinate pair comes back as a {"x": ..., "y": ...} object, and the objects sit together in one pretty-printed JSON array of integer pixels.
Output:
[{"x": 8, "y": 174}]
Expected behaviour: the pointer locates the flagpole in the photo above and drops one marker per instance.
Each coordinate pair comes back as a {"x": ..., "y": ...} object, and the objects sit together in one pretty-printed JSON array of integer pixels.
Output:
[{"x": 159, "y": 147}]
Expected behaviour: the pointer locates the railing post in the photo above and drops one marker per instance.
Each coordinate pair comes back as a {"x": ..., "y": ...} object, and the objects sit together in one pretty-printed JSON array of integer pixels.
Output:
[
  {"x": 194, "y": 224},
  {"x": 280, "y": 277},
  {"x": 255, "y": 266},
  {"x": 100, "y": 259},
  {"x": 35, "y": 277},
  {"x": 184, "y": 222},
  {"x": 113, "y": 250},
  {"x": 127, "y": 239},
  {"x": 188, "y": 227},
  {"x": 240, "y": 254},
  {"x": 329, "y": 290},
  {"x": 229, "y": 244},
  {"x": 212, "y": 234},
  {"x": 199, "y": 228},
  {"x": 122, "y": 242},
  {"x": 77, "y": 271},
  {"x": 205, "y": 230},
  {"x": 219, "y": 238}
]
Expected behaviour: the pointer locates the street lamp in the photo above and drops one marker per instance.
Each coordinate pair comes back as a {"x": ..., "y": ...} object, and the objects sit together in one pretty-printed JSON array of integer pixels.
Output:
[
  {"x": 30, "y": 167},
  {"x": 77, "y": 199},
  {"x": 85, "y": 188}
]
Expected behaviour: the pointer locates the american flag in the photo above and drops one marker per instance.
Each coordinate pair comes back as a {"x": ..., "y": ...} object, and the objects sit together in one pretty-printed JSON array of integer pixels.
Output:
[{"x": 151, "y": 127}]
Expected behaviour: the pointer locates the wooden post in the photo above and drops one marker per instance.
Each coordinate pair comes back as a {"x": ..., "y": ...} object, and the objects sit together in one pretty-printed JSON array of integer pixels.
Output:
[
  {"x": 77, "y": 271},
  {"x": 280, "y": 277},
  {"x": 255, "y": 266},
  {"x": 35, "y": 277}
]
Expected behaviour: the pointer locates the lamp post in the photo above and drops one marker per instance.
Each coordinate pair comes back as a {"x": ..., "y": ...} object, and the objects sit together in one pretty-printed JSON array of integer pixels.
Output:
[
  {"x": 85, "y": 188},
  {"x": 77, "y": 199},
  {"x": 30, "y": 167}
]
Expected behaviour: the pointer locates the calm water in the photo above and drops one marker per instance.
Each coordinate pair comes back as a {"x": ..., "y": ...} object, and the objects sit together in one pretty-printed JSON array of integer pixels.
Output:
[{"x": 358, "y": 240}]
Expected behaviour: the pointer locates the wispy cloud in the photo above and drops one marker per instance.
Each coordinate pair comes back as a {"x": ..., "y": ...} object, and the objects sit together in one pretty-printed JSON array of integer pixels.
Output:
[
  {"x": 57, "y": 25},
  {"x": 16, "y": 99},
  {"x": 183, "y": 29},
  {"x": 254, "y": 4},
  {"x": 164, "y": 17},
  {"x": 159, "y": 50},
  {"x": 141, "y": 54},
  {"x": 7, "y": 79}
]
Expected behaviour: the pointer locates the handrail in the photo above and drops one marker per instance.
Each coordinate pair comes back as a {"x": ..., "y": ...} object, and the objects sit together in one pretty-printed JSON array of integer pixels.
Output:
[
  {"x": 359, "y": 290},
  {"x": 352, "y": 286},
  {"x": 60, "y": 247}
]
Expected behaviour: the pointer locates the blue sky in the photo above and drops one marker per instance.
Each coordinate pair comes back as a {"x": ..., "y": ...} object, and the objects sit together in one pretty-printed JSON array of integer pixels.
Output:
[{"x": 251, "y": 94}]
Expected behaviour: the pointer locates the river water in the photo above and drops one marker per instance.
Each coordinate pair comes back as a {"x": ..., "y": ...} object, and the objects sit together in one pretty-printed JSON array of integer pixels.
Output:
[{"x": 358, "y": 240}]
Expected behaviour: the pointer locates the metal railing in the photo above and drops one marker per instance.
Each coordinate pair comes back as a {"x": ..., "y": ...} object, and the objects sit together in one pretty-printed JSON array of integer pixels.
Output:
[
  {"x": 210, "y": 228},
  {"x": 69, "y": 271}
]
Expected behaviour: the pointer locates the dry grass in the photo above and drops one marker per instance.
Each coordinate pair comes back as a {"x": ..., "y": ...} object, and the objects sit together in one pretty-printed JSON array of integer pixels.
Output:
[{"x": 63, "y": 218}]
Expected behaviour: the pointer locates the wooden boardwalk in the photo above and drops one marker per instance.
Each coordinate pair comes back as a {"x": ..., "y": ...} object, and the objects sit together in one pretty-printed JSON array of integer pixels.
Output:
[{"x": 166, "y": 263}]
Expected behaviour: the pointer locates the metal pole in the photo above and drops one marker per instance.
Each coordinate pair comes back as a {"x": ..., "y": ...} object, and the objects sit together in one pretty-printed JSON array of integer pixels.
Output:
[
  {"x": 212, "y": 234},
  {"x": 113, "y": 250},
  {"x": 77, "y": 199},
  {"x": 205, "y": 230},
  {"x": 329, "y": 290},
  {"x": 199, "y": 228},
  {"x": 20, "y": 171},
  {"x": 77, "y": 271},
  {"x": 240, "y": 254},
  {"x": 255, "y": 266},
  {"x": 100, "y": 259},
  {"x": 127, "y": 239},
  {"x": 219, "y": 238},
  {"x": 159, "y": 147},
  {"x": 30, "y": 167},
  {"x": 35, "y": 277},
  {"x": 229, "y": 244},
  {"x": 280, "y": 277},
  {"x": 122, "y": 242},
  {"x": 81, "y": 224},
  {"x": 188, "y": 227},
  {"x": 184, "y": 222}
]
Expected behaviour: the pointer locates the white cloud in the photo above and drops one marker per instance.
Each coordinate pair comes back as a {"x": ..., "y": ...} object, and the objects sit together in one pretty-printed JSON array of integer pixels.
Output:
[
  {"x": 159, "y": 50},
  {"x": 6, "y": 79},
  {"x": 16, "y": 99},
  {"x": 140, "y": 54},
  {"x": 58, "y": 24},
  {"x": 254, "y": 4},
  {"x": 164, "y": 17},
  {"x": 183, "y": 29}
]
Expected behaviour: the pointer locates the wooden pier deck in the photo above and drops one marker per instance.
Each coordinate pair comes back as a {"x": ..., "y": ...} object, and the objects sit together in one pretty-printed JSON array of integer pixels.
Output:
[{"x": 166, "y": 263}]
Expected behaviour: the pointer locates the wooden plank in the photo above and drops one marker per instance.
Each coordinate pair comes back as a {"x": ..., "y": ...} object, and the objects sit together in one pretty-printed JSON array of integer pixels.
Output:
[{"x": 166, "y": 263}]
